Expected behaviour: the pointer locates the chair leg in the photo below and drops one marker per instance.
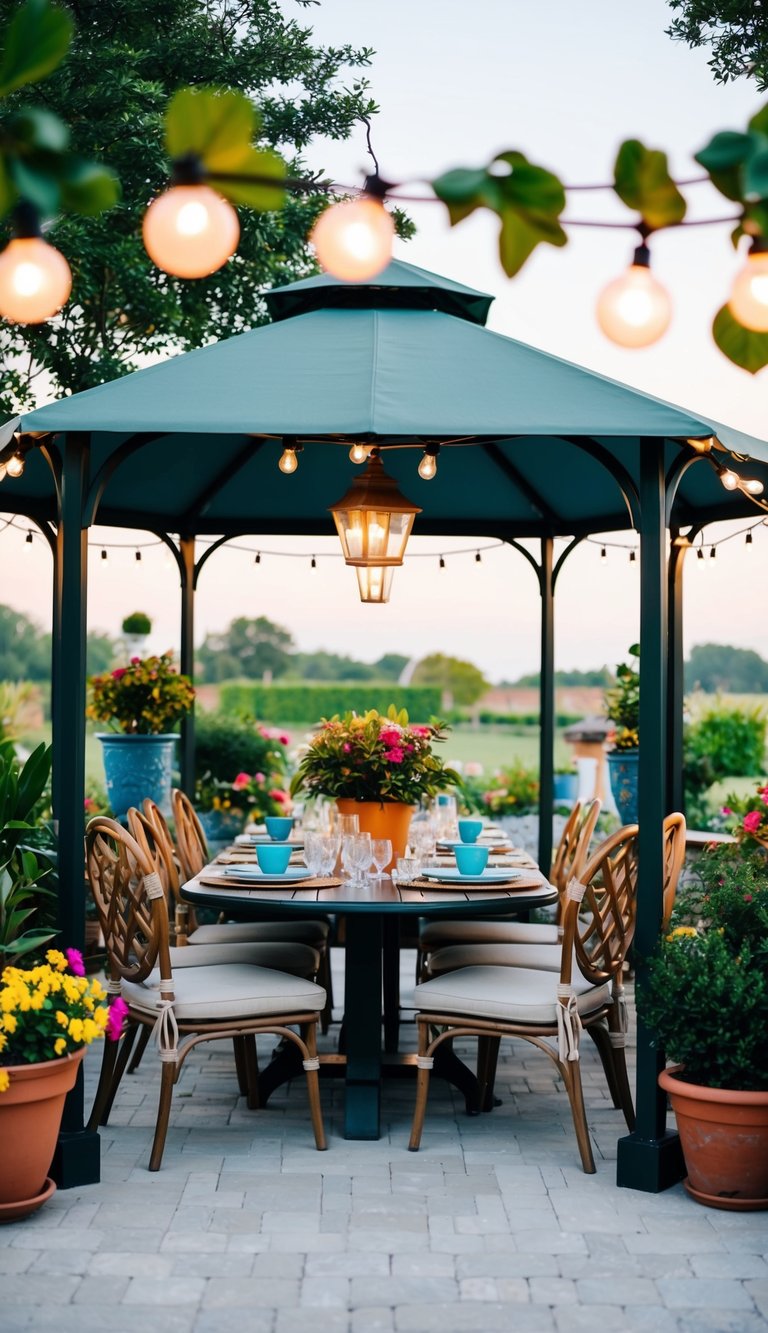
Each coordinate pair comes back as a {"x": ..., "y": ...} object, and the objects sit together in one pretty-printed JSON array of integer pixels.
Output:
[
  {"x": 422, "y": 1091},
  {"x": 240, "y": 1067},
  {"x": 309, "y": 1036},
  {"x": 325, "y": 979},
  {"x": 167, "y": 1080},
  {"x": 251, "y": 1069},
  {"x": 617, "y": 1039},
  {"x": 487, "y": 1059},
  {"x": 601, "y": 1037},
  {"x": 141, "y": 1045},
  {"x": 109, "y": 1053},
  {"x": 571, "y": 1075}
]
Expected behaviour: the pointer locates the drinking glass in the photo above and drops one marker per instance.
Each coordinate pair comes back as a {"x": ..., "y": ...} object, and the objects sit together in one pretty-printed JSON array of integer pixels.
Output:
[
  {"x": 313, "y": 853},
  {"x": 361, "y": 857},
  {"x": 381, "y": 855},
  {"x": 329, "y": 844},
  {"x": 407, "y": 869}
]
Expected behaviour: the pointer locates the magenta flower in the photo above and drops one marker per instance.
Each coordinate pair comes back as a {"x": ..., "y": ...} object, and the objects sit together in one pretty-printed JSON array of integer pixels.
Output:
[
  {"x": 346, "y": 747},
  {"x": 118, "y": 1012},
  {"x": 259, "y": 777},
  {"x": 135, "y": 661},
  {"x": 242, "y": 780},
  {"x": 390, "y": 736},
  {"x": 752, "y": 821},
  {"x": 118, "y": 673},
  {"x": 421, "y": 731},
  {"x": 284, "y": 738},
  {"x": 726, "y": 810},
  {"x": 75, "y": 960},
  {"x": 395, "y": 755}
]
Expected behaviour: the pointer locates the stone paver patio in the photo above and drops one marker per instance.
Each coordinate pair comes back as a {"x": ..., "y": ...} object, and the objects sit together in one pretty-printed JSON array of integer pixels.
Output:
[{"x": 492, "y": 1225}]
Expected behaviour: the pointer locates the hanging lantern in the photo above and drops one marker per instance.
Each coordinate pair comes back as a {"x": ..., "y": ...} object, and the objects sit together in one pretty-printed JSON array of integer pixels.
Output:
[
  {"x": 374, "y": 582},
  {"x": 374, "y": 520}
]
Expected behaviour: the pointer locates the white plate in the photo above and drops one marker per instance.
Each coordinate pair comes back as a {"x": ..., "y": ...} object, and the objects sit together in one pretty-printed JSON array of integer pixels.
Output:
[
  {"x": 493, "y": 875},
  {"x": 262, "y": 839},
  {"x": 253, "y": 875}
]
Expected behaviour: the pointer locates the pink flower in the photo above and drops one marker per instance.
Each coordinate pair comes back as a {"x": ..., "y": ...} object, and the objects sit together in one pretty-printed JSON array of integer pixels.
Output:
[
  {"x": 284, "y": 738},
  {"x": 264, "y": 731},
  {"x": 764, "y": 795},
  {"x": 390, "y": 736},
  {"x": 747, "y": 897},
  {"x": 395, "y": 755},
  {"x": 118, "y": 1012},
  {"x": 752, "y": 821},
  {"x": 242, "y": 780},
  {"x": 281, "y": 797},
  {"x": 421, "y": 731},
  {"x": 75, "y": 960},
  {"x": 726, "y": 810},
  {"x": 346, "y": 747},
  {"x": 259, "y": 777},
  {"x": 118, "y": 673},
  {"x": 135, "y": 661},
  {"x": 89, "y": 803}
]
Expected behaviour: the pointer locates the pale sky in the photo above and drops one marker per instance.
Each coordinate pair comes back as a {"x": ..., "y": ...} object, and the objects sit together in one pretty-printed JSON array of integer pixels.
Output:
[{"x": 565, "y": 84}]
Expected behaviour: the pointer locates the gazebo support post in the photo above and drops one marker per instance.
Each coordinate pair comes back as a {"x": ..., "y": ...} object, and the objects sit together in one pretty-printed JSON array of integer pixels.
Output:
[
  {"x": 650, "y": 1158},
  {"x": 546, "y": 702},
  {"x": 675, "y": 791},
  {"x": 76, "y": 1161},
  {"x": 188, "y": 576}
]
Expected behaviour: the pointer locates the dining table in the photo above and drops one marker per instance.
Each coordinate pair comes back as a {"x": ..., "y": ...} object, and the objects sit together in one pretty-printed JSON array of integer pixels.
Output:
[{"x": 373, "y": 914}]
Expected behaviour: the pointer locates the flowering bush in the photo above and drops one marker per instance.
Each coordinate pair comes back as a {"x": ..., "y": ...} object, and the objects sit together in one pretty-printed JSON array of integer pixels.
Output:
[
  {"x": 705, "y": 997},
  {"x": 748, "y": 816},
  {"x": 622, "y": 704},
  {"x": 146, "y": 697},
  {"x": 50, "y": 1011},
  {"x": 248, "y": 794},
  {"x": 374, "y": 758},
  {"x": 514, "y": 790}
]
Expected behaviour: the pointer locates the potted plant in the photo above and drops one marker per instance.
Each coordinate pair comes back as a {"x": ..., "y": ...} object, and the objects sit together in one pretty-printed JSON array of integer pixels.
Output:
[
  {"x": 622, "y": 707},
  {"x": 566, "y": 785},
  {"x": 50, "y": 1013},
  {"x": 747, "y": 817},
  {"x": 705, "y": 999},
  {"x": 141, "y": 702},
  {"x": 377, "y": 767}
]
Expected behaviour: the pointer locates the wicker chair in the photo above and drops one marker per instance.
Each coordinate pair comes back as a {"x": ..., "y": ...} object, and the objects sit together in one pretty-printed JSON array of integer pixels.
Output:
[
  {"x": 236, "y": 1001},
  {"x": 494, "y": 1002}
]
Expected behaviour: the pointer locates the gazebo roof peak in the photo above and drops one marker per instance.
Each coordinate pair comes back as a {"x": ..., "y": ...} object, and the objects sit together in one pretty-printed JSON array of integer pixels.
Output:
[{"x": 399, "y": 286}]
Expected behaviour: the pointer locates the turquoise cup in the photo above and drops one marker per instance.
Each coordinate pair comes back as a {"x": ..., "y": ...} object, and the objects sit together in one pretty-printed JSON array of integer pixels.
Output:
[
  {"x": 279, "y": 827},
  {"x": 273, "y": 857},
  {"x": 470, "y": 829},
  {"x": 471, "y": 860}
]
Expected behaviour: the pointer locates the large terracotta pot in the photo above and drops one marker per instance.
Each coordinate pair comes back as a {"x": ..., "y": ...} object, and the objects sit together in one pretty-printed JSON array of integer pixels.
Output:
[
  {"x": 724, "y": 1137},
  {"x": 30, "y": 1115},
  {"x": 382, "y": 819}
]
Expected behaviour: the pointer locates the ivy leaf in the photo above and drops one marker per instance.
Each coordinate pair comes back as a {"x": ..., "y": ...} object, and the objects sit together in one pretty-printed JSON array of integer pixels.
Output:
[
  {"x": 723, "y": 158},
  {"x": 88, "y": 188},
  {"x": 255, "y": 162},
  {"x": 642, "y": 181},
  {"x": 742, "y": 346},
  {"x": 36, "y": 41},
  {"x": 214, "y": 126},
  {"x": 464, "y": 189},
  {"x": 40, "y": 187}
]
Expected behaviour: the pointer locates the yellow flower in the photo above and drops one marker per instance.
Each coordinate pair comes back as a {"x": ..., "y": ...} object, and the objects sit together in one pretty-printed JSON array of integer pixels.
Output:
[
  {"x": 9, "y": 1023},
  {"x": 682, "y": 932},
  {"x": 61, "y": 1018},
  {"x": 76, "y": 1029},
  {"x": 56, "y": 958},
  {"x": 60, "y": 1045},
  {"x": 4, "y": 1079}
]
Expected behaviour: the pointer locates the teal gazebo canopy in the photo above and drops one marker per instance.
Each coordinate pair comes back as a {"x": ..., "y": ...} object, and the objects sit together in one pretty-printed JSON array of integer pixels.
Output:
[{"x": 531, "y": 447}]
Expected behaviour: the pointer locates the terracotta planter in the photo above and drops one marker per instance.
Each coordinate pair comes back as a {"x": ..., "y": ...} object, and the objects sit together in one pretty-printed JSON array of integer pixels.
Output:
[
  {"x": 30, "y": 1115},
  {"x": 382, "y": 819},
  {"x": 724, "y": 1136}
]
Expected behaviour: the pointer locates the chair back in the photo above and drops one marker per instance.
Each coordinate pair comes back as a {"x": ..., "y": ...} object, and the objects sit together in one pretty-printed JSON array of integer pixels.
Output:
[
  {"x": 159, "y": 851},
  {"x": 130, "y": 901},
  {"x": 573, "y": 848},
  {"x": 599, "y": 926},
  {"x": 674, "y": 856},
  {"x": 193, "y": 849}
]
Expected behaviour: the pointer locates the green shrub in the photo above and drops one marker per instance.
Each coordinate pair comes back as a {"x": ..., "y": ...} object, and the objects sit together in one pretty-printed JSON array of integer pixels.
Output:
[
  {"x": 513, "y": 790},
  {"x": 309, "y": 703},
  {"x": 226, "y": 745},
  {"x": 722, "y": 743},
  {"x": 137, "y": 623}
]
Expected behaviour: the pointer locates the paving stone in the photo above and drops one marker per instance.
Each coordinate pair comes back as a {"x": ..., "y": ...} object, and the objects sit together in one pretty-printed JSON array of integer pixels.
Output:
[
  {"x": 29, "y": 1289},
  {"x": 164, "y": 1291},
  {"x": 372, "y": 1319},
  {"x": 231, "y": 1321},
  {"x": 704, "y": 1293},
  {"x": 251, "y": 1291},
  {"x": 325, "y": 1293},
  {"x": 359, "y": 1264},
  {"x": 464, "y": 1318}
]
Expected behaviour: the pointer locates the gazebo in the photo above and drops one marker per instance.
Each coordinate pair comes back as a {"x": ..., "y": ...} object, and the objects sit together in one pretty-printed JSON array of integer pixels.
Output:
[{"x": 533, "y": 447}]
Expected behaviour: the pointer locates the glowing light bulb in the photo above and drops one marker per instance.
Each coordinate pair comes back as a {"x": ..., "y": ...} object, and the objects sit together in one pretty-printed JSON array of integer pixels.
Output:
[
  {"x": 3, "y": 470},
  {"x": 35, "y": 280},
  {"x": 748, "y": 301},
  {"x": 359, "y": 452},
  {"x": 190, "y": 231},
  {"x": 15, "y": 465},
  {"x": 634, "y": 310},
  {"x": 353, "y": 240},
  {"x": 700, "y": 555},
  {"x": 288, "y": 461},
  {"x": 752, "y": 486},
  {"x": 428, "y": 466},
  {"x": 729, "y": 479},
  {"x": 603, "y": 556}
]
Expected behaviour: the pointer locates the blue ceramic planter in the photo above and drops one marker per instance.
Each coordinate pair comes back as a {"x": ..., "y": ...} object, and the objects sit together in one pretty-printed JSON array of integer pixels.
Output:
[
  {"x": 220, "y": 825},
  {"x": 566, "y": 788},
  {"x": 136, "y": 767},
  {"x": 623, "y": 770}
]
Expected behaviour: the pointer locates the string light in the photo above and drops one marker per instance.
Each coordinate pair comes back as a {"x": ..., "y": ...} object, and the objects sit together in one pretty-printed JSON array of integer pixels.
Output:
[
  {"x": 29, "y": 538},
  {"x": 15, "y": 465},
  {"x": 35, "y": 278},
  {"x": 478, "y": 558},
  {"x": 442, "y": 562},
  {"x": 353, "y": 239},
  {"x": 634, "y": 310},
  {"x": 257, "y": 559},
  {"x": 359, "y": 452},
  {"x": 748, "y": 539},
  {"x": 713, "y": 553},
  {"x": 603, "y": 556},
  {"x": 428, "y": 464},
  {"x": 138, "y": 556},
  {"x": 632, "y": 557},
  {"x": 700, "y": 553},
  {"x": 190, "y": 231},
  {"x": 313, "y": 563},
  {"x": 748, "y": 301},
  {"x": 289, "y": 457},
  {"x": 103, "y": 555}
]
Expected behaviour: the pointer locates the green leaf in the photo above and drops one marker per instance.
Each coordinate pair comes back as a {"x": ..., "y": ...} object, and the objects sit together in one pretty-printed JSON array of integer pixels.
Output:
[
  {"x": 8, "y": 195},
  {"x": 759, "y": 122},
  {"x": 88, "y": 188},
  {"x": 463, "y": 190},
  {"x": 727, "y": 148},
  {"x": 36, "y": 41},
  {"x": 213, "y": 125},
  {"x": 38, "y": 128},
  {"x": 643, "y": 182},
  {"x": 742, "y": 346},
  {"x": 254, "y": 162},
  {"x": 40, "y": 188},
  {"x": 755, "y": 175}
]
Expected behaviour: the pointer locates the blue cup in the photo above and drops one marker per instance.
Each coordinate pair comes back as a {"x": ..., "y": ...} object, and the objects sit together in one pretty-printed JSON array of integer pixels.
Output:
[
  {"x": 471, "y": 860},
  {"x": 279, "y": 827},
  {"x": 470, "y": 829},
  {"x": 273, "y": 857}
]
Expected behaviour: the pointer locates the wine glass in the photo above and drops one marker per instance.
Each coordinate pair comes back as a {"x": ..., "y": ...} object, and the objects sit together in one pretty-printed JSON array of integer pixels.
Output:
[
  {"x": 329, "y": 845},
  {"x": 313, "y": 853},
  {"x": 381, "y": 855},
  {"x": 346, "y": 824},
  {"x": 361, "y": 857}
]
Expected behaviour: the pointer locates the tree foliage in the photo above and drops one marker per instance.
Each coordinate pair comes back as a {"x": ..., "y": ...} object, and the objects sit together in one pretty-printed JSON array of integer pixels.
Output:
[
  {"x": 25, "y": 649},
  {"x": 247, "y": 648},
  {"x": 126, "y": 60},
  {"x": 718, "y": 667},
  {"x": 736, "y": 32},
  {"x": 461, "y": 679}
]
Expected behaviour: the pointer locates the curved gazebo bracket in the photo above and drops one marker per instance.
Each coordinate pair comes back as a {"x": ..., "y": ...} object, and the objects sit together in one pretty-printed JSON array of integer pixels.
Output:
[
  {"x": 561, "y": 559},
  {"x": 108, "y": 469},
  {"x": 629, "y": 492}
]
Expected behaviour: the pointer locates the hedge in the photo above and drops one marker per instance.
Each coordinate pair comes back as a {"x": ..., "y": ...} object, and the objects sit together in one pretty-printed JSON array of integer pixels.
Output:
[{"x": 308, "y": 703}]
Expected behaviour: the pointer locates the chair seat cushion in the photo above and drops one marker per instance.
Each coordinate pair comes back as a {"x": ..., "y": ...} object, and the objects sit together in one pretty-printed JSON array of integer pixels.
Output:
[
  {"x": 298, "y": 959},
  {"x": 511, "y": 994},
  {"x": 438, "y": 933},
  {"x": 261, "y": 932},
  {"x": 540, "y": 957},
  {"x": 229, "y": 990}
]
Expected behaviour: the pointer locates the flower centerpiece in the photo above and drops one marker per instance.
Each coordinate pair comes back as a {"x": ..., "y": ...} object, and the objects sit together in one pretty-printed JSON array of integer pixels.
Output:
[
  {"x": 622, "y": 707},
  {"x": 49, "y": 1014},
  {"x": 378, "y": 766},
  {"x": 705, "y": 999},
  {"x": 140, "y": 702}
]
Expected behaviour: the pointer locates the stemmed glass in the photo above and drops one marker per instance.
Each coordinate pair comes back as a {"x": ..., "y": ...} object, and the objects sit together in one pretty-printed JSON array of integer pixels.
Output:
[
  {"x": 356, "y": 855},
  {"x": 313, "y": 852},
  {"x": 381, "y": 855},
  {"x": 329, "y": 852}
]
